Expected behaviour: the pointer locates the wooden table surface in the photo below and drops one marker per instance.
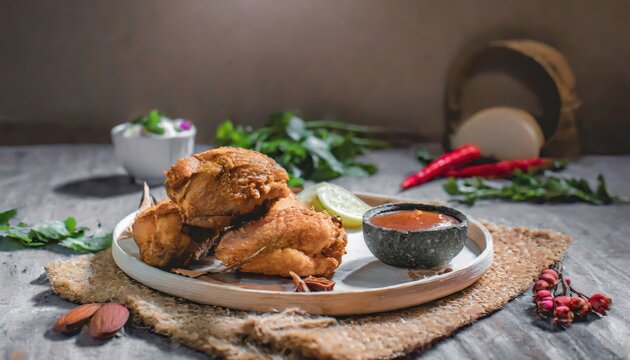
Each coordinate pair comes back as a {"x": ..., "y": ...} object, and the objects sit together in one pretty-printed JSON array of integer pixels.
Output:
[{"x": 84, "y": 181}]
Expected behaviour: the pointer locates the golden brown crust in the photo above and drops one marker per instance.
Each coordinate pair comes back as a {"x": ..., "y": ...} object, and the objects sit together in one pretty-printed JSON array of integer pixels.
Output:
[
  {"x": 158, "y": 232},
  {"x": 218, "y": 186},
  {"x": 295, "y": 239}
]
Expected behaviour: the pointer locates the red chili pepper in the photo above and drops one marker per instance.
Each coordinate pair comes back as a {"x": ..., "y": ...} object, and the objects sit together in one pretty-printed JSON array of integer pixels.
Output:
[
  {"x": 500, "y": 169},
  {"x": 442, "y": 164}
]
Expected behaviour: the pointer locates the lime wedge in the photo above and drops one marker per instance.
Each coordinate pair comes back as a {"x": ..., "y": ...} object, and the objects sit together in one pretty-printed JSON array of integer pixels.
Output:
[
  {"x": 341, "y": 202},
  {"x": 308, "y": 197}
]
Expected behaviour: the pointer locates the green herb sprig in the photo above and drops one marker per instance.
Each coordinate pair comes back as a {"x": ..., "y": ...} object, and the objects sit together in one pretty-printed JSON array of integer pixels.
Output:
[
  {"x": 313, "y": 150},
  {"x": 65, "y": 233},
  {"x": 425, "y": 157},
  {"x": 524, "y": 187},
  {"x": 152, "y": 122}
]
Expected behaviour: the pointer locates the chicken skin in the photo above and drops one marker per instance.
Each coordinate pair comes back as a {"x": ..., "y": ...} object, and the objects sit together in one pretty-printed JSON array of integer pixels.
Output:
[
  {"x": 161, "y": 237},
  {"x": 238, "y": 202},
  {"x": 294, "y": 239},
  {"x": 216, "y": 188}
]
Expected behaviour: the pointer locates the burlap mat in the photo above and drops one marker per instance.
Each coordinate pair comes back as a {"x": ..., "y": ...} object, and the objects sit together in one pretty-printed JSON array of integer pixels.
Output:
[{"x": 519, "y": 255}]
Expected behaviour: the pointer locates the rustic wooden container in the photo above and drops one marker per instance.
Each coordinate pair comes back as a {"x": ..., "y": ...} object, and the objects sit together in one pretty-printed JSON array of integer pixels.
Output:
[{"x": 561, "y": 142}]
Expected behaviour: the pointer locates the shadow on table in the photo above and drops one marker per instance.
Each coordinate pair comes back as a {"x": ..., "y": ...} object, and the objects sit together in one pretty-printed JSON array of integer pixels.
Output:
[
  {"x": 48, "y": 299},
  {"x": 8, "y": 245},
  {"x": 547, "y": 326},
  {"x": 167, "y": 347},
  {"x": 102, "y": 187}
]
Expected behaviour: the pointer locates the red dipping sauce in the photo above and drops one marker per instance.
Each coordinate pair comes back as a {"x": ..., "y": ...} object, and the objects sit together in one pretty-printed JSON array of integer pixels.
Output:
[{"x": 410, "y": 220}]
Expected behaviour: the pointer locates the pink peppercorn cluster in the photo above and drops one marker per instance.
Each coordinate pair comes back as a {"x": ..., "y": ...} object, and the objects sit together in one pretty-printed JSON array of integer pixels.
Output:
[{"x": 557, "y": 300}]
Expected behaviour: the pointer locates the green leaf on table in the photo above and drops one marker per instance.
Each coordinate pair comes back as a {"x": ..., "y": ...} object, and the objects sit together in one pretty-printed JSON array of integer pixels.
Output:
[
  {"x": 425, "y": 157},
  {"x": 360, "y": 169},
  {"x": 71, "y": 224},
  {"x": 5, "y": 216},
  {"x": 66, "y": 233},
  {"x": 452, "y": 187},
  {"x": 91, "y": 243},
  {"x": 23, "y": 235},
  {"x": 49, "y": 231},
  {"x": 525, "y": 187}
]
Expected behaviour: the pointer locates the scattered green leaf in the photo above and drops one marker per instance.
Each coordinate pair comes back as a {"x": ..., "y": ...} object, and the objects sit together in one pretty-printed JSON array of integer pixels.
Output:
[
  {"x": 65, "y": 233},
  {"x": 92, "y": 243},
  {"x": 425, "y": 157},
  {"x": 524, "y": 187},
  {"x": 71, "y": 224},
  {"x": 5, "y": 216},
  {"x": 313, "y": 150}
]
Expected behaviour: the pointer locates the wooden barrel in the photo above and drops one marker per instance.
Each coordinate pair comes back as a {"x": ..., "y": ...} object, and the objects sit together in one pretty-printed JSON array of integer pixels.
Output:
[{"x": 563, "y": 140}]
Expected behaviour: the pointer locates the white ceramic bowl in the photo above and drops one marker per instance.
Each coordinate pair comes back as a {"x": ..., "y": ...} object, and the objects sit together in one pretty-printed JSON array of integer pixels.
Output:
[{"x": 146, "y": 158}]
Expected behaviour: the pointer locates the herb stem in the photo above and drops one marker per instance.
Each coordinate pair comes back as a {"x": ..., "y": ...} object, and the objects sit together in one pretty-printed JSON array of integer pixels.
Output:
[{"x": 338, "y": 125}]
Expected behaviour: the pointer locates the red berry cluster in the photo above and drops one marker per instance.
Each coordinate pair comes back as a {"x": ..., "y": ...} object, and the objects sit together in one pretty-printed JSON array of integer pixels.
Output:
[{"x": 556, "y": 299}]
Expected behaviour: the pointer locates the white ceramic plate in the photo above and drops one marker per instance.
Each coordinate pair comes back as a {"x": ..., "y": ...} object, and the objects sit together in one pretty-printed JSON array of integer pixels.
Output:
[{"x": 363, "y": 283}]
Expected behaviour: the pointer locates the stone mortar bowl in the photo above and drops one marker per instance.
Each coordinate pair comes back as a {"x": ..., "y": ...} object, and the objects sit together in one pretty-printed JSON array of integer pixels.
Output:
[{"x": 426, "y": 248}]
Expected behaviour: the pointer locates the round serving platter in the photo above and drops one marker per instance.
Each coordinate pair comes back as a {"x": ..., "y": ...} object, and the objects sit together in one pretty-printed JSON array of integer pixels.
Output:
[{"x": 363, "y": 283}]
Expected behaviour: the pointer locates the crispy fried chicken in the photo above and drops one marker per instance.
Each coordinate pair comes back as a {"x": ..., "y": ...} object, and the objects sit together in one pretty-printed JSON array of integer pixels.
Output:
[
  {"x": 215, "y": 188},
  {"x": 159, "y": 233},
  {"x": 242, "y": 196},
  {"x": 294, "y": 239}
]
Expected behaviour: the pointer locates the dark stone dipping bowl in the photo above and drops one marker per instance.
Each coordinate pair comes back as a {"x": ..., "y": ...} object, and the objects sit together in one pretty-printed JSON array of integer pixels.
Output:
[{"x": 419, "y": 248}]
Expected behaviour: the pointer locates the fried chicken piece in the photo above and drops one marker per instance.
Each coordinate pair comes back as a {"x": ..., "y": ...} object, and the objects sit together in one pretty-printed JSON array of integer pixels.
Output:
[
  {"x": 215, "y": 188},
  {"x": 294, "y": 239},
  {"x": 162, "y": 239}
]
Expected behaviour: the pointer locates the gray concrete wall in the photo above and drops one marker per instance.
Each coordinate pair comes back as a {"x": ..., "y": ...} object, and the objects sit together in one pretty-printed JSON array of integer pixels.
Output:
[{"x": 69, "y": 70}]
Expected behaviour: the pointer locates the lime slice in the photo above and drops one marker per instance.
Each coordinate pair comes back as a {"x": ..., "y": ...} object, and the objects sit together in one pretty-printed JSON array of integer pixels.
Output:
[
  {"x": 341, "y": 202},
  {"x": 307, "y": 196}
]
